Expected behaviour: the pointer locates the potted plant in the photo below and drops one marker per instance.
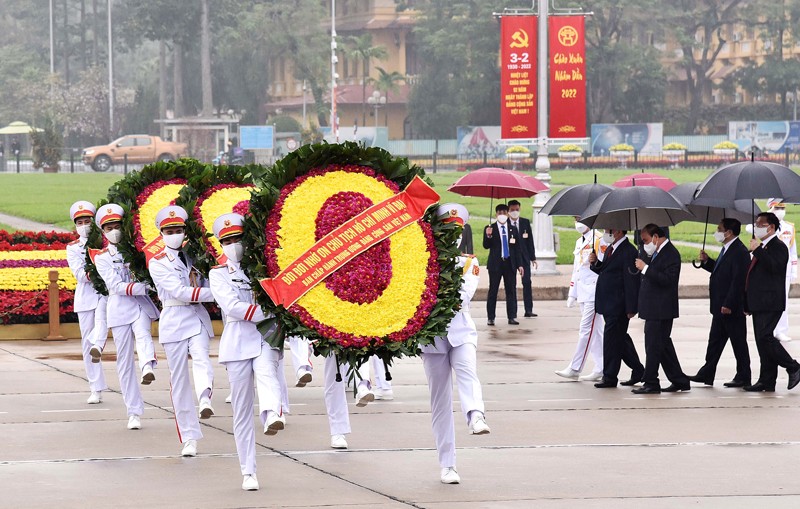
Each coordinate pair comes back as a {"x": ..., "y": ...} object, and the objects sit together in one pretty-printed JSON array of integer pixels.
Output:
[
  {"x": 46, "y": 147},
  {"x": 725, "y": 149},
  {"x": 622, "y": 152},
  {"x": 674, "y": 152},
  {"x": 569, "y": 153},
  {"x": 517, "y": 153}
]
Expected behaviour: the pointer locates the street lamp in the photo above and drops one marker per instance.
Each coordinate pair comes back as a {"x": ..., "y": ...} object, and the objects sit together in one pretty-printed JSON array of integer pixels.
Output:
[{"x": 376, "y": 100}]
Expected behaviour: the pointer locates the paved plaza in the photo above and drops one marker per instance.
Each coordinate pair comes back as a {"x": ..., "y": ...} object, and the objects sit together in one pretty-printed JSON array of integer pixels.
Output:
[{"x": 554, "y": 443}]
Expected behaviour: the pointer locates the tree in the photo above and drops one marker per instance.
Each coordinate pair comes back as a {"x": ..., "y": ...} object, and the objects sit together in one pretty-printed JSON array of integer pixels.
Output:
[
  {"x": 361, "y": 47},
  {"x": 205, "y": 59}
]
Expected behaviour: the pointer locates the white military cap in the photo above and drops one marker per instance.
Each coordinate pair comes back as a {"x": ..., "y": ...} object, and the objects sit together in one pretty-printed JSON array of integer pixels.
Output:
[
  {"x": 453, "y": 212},
  {"x": 775, "y": 202},
  {"x": 108, "y": 214},
  {"x": 228, "y": 225},
  {"x": 171, "y": 215},
  {"x": 81, "y": 208}
]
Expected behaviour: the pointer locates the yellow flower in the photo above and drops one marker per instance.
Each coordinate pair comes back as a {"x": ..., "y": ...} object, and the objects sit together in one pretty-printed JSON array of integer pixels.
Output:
[
  {"x": 30, "y": 279},
  {"x": 56, "y": 254},
  {"x": 217, "y": 203},
  {"x": 160, "y": 198}
]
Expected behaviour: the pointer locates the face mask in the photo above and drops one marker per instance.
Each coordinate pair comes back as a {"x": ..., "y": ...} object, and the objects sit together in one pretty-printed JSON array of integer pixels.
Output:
[
  {"x": 84, "y": 230},
  {"x": 719, "y": 237},
  {"x": 608, "y": 238},
  {"x": 174, "y": 241},
  {"x": 650, "y": 248},
  {"x": 114, "y": 236},
  {"x": 760, "y": 232},
  {"x": 234, "y": 251},
  {"x": 514, "y": 214},
  {"x": 581, "y": 228},
  {"x": 781, "y": 213},
  {"x": 502, "y": 218}
]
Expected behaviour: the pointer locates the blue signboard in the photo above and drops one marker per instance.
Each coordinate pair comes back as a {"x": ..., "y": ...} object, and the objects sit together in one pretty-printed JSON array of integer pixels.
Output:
[{"x": 257, "y": 137}]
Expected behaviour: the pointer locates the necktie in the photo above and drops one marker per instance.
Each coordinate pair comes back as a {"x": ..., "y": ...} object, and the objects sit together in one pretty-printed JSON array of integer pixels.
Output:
[
  {"x": 721, "y": 254},
  {"x": 504, "y": 242},
  {"x": 749, "y": 270},
  {"x": 609, "y": 252},
  {"x": 183, "y": 258},
  {"x": 655, "y": 253}
]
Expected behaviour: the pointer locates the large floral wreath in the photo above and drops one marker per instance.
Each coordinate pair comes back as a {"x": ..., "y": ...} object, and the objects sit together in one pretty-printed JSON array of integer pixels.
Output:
[
  {"x": 398, "y": 295},
  {"x": 95, "y": 243},
  {"x": 214, "y": 191}
]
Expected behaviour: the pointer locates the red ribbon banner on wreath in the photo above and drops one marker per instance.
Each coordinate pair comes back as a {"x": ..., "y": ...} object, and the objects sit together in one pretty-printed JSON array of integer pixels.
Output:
[{"x": 337, "y": 248}]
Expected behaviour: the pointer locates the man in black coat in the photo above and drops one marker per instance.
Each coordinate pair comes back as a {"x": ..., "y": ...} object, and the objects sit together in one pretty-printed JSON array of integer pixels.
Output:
[
  {"x": 616, "y": 298},
  {"x": 726, "y": 289},
  {"x": 528, "y": 250},
  {"x": 658, "y": 307},
  {"x": 505, "y": 260},
  {"x": 765, "y": 299}
]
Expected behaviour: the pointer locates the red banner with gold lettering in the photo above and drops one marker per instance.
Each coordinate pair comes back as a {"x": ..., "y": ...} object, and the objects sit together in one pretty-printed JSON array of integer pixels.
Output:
[
  {"x": 518, "y": 93},
  {"x": 337, "y": 248},
  {"x": 567, "y": 77}
]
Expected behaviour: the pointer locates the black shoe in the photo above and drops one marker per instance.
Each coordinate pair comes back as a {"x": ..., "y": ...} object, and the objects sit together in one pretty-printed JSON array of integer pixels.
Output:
[
  {"x": 647, "y": 390},
  {"x": 531, "y": 315},
  {"x": 737, "y": 383},
  {"x": 760, "y": 387},
  {"x": 489, "y": 322},
  {"x": 511, "y": 321},
  {"x": 794, "y": 378},
  {"x": 631, "y": 382},
  {"x": 700, "y": 380},
  {"x": 605, "y": 384},
  {"x": 677, "y": 388}
]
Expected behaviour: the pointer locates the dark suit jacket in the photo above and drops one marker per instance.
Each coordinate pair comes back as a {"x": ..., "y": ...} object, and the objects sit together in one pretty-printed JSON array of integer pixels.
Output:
[
  {"x": 493, "y": 244},
  {"x": 766, "y": 290},
  {"x": 726, "y": 283},
  {"x": 658, "y": 296},
  {"x": 526, "y": 234},
  {"x": 466, "y": 240},
  {"x": 617, "y": 291}
]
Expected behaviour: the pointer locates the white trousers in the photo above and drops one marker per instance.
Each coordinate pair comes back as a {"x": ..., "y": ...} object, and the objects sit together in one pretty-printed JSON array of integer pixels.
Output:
[
  {"x": 100, "y": 333},
  {"x": 264, "y": 369},
  {"x": 336, "y": 395},
  {"x": 380, "y": 373},
  {"x": 438, "y": 369},
  {"x": 783, "y": 323},
  {"x": 126, "y": 369},
  {"x": 181, "y": 388},
  {"x": 590, "y": 339},
  {"x": 94, "y": 371},
  {"x": 301, "y": 352},
  {"x": 144, "y": 340},
  {"x": 283, "y": 387}
]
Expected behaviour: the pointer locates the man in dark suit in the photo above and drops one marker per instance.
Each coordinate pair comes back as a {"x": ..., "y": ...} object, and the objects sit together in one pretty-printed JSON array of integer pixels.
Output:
[
  {"x": 505, "y": 260},
  {"x": 726, "y": 289},
  {"x": 528, "y": 250},
  {"x": 658, "y": 307},
  {"x": 616, "y": 298},
  {"x": 765, "y": 299},
  {"x": 466, "y": 240}
]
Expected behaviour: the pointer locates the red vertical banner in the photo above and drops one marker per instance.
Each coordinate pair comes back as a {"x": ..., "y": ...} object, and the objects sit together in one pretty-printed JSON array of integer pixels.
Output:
[
  {"x": 567, "y": 43},
  {"x": 518, "y": 77}
]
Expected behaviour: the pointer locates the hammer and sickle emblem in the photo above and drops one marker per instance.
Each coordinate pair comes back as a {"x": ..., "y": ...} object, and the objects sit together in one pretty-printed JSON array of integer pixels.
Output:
[
  {"x": 568, "y": 36},
  {"x": 519, "y": 39}
]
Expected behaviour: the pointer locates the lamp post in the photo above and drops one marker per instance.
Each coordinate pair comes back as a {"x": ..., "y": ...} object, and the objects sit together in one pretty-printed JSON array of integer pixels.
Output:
[
  {"x": 304, "y": 105},
  {"x": 376, "y": 100},
  {"x": 110, "y": 75},
  {"x": 334, "y": 61}
]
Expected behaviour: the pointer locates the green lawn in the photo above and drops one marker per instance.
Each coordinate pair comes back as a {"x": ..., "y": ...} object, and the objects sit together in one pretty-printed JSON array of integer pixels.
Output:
[{"x": 7, "y": 228}]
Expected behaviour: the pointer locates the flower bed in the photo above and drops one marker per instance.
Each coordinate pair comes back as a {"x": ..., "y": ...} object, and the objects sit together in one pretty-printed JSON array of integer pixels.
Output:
[{"x": 26, "y": 258}]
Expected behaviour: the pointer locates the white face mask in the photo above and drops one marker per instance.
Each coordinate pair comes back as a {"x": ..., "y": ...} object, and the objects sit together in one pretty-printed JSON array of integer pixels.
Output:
[
  {"x": 84, "y": 230},
  {"x": 760, "y": 232},
  {"x": 719, "y": 237},
  {"x": 514, "y": 214},
  {"x": 581, "y": 228},
  {"x": 650, "y": 248},
  {"x": 174, "y": 241},
  {"x": 781, "y": 213},
  {"x": 114, "y": 236},
  {"x": 608, "y": 238},
  {"x": 502, "y": 218},
  {"x": 234, "y": 251}
]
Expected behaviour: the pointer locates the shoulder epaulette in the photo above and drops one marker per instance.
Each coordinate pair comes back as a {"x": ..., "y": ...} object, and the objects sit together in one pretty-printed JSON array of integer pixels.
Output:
[
  {"x": 218, "y": 266},
  {"x": 160, "y": 255},
  {"x": 74, "y": 242},
  {"x": 103, "y": 251},
  {"x": 468, "y": 255}
]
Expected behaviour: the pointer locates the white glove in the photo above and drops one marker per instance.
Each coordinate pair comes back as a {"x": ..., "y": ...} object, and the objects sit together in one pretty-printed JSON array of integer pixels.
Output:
[{"x": 571, "y": 302}]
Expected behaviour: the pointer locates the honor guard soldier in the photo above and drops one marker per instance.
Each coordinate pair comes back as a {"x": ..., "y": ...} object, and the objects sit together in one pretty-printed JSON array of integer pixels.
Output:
[
  {"x": 242, "y": 349},
  {"x": 184, "y": 328},
  {"x": 457, "y": 351},
  {"x": 87, "y": 300},
  {"x": 787, "y": 236},
  {"x": 133, "y": 314}
]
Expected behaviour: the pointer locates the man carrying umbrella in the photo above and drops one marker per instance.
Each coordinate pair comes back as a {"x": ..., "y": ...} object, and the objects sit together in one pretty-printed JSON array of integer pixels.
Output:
[
  {"x": 505, "y": 260},
  {"x": 764, "y": 299}
]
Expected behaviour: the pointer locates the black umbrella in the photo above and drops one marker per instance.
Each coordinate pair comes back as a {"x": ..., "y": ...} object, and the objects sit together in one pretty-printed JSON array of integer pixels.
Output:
[
  {"x": 573, "y": 200},
  {"x": 631, "y": 208}
]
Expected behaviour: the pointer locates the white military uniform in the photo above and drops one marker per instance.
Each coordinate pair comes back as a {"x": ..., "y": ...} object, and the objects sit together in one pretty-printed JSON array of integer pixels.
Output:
[
  {"x": 458, "y": 351},
  {"x": 86, "y": 299},
  {"x": 787, "y": 235},
  {"x": 380, "y": 374},
  {"x": 336, "y": 394},
  {"x": 184, "y": 329},
  {"x": 133, "y": 313},
  {"x": 582, "y": 289},
  {"x": 245, "y": 355}
]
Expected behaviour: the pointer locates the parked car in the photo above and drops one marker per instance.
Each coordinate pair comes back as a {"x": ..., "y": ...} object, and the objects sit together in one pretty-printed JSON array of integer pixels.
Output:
[{"x": 140, "y": 149}]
